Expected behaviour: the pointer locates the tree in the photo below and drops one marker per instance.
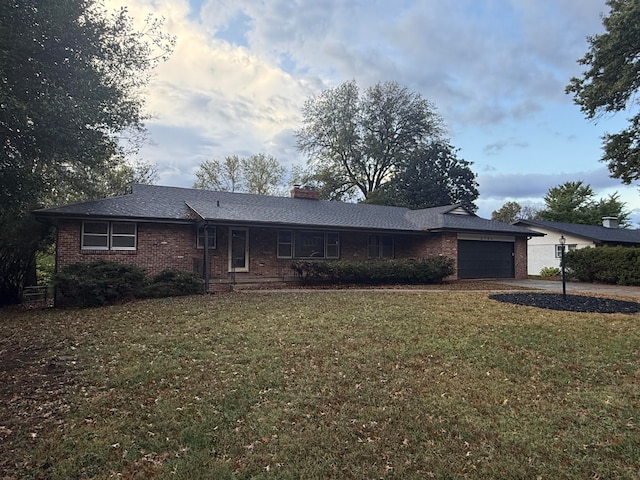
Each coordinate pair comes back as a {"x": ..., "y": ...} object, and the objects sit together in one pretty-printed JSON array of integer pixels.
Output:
[
  {"x": 225, "y": 176},
  {"x": 508, "y": 213},
  {"x": 260, "y": 174},
  {"x": 70, "y": 89},
  {"x": 357, "y": 143},
  {"x": 572, "y": 202},
  {"x": 432, "y": 175},
  {"x": 513, "y": 211},
  {"x": 611, "y": 84}
]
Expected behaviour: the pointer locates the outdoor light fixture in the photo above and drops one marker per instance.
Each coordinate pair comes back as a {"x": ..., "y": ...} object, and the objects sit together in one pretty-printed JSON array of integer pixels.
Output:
[{"x": 562, "y": 241}]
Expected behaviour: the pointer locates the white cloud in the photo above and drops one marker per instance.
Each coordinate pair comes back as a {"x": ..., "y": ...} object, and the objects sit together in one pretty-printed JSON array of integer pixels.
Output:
[{"x": 496, "y": 68}]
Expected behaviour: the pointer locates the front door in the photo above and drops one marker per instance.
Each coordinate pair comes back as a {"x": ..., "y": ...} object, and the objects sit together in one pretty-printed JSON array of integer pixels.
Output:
[{"x": 238, "y": 250}]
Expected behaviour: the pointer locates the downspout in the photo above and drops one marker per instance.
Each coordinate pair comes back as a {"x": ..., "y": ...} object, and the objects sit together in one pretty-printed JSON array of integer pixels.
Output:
[{"x": 206, "y": 258}]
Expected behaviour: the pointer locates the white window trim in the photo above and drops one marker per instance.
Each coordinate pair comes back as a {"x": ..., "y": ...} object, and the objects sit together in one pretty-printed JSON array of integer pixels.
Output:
[
  {"x": 109, "y": 235},
  {"x": 290, "y": 243},
  {"x": 326, "y": 245},
  {"x": 90, "y": 247},
  {"x": 380, "y": 245},
  {"x": 212, "y": 237},
  {"x": 128, "y": 235},
  {"x": 568, "y": 248},
  {"x": 325, "y": 242},
  {"x": 246, "y": 251}
]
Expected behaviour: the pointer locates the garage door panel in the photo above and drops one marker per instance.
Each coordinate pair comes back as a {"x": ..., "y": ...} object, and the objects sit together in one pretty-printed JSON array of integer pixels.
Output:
[{"x": 481, "y": 259}]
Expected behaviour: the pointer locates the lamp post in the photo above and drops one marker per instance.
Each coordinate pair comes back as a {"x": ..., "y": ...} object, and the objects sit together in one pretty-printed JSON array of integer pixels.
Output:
[{"x": 564, "y": 285}]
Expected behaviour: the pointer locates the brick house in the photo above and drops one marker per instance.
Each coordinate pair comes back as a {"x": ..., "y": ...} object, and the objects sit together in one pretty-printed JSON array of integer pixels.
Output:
[{"x": 254, "y": 238}]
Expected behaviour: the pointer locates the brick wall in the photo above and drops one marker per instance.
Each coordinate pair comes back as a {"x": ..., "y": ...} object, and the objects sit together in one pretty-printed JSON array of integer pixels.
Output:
[
  {"x": 520, "y": 252},
  {"x": 162, "y": 246}
]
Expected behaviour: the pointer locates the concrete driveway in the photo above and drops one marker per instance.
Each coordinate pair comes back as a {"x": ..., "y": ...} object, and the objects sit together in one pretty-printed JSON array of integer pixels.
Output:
[{"x": 576, "y": 288}]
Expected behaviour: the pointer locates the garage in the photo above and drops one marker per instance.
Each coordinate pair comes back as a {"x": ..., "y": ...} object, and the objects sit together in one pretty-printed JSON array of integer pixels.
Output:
[{"x": 485, "y": 259}]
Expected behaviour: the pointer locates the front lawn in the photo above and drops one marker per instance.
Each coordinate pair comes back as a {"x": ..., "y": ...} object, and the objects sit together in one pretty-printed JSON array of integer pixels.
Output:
[{"x": 319, "y": 385}]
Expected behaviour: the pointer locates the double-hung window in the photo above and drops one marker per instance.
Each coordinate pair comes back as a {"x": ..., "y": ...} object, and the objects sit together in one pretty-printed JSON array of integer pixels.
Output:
[
  {"x": 308, "y": 244},
  {"x": 211, "y": 233},
  {"x": 568, "y": 248},
  {"x": 109, "y": 236},
  {"x": 380, "y": 246}
]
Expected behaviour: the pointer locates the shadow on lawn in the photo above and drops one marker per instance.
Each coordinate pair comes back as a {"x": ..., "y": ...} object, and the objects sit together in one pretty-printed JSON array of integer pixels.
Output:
[{"x": 572, "y": 303}]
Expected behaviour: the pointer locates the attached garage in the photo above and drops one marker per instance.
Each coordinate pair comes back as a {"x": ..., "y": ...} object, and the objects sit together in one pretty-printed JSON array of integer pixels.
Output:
[{"x": 486, "y": 258}]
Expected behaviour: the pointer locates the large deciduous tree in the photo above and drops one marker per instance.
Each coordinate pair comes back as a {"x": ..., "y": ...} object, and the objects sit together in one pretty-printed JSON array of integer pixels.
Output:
[
  {"x": 224, "y": 176},
  {"x": 260, "y": 174},
  {"x": 573, "y": 202},
  {"x": 356, "y": 143},
  {"x": 508, "y": 213},
  {"x": 512, "y": 211},
  {"x": 70, "y": 89},
  {"x": 611, "y": 84},
  {"x": 431, "y": 176}
]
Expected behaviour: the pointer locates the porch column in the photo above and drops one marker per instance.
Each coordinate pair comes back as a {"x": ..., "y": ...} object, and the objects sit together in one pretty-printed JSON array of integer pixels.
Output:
[{"x": 205, "y": 267}]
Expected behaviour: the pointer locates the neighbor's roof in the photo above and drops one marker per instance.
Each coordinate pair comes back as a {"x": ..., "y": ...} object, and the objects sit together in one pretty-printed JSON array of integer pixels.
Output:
[
  {"x": 595, "y": 233},
  {"x": 152, "y": 202}
]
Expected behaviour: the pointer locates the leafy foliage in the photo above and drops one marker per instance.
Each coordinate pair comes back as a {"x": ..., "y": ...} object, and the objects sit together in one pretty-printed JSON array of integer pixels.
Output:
[
  {"x": 356, "y": 143},
  {"x": 99, "y": 283},
  {"x": 225, "y": 176},
  {"x": 572, "y": 202},
  {"x": 260, "y": 174},
  {"x": 20, "y": 240},
  {"x": 372, "y": 272},
  {"x": 617, "y": 265},
  {"x": 512, "y": 211},
  {"x": 548, "y": 272},
  {"x": 611, "y": 83},
  {"x": 173, "y": 283},
  {"x": 432, "y": 176},
  {"x": 70, "y": 90},
  {"x": 104, "y": 282}
]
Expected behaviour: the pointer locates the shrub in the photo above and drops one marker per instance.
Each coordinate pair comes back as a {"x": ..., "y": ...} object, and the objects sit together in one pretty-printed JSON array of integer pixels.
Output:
[
  {"x": 103, "y": 282},
  {"x": 426, "y": 270},
  {"x": 547, "y": 272},
  {"x": 173, "y": 283},
  {"x": 616, "y": 265},
  {"x": 99, "y": 283}
]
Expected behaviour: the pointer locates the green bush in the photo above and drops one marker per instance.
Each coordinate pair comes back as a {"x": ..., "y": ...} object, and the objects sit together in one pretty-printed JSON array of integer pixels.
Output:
[
  {"x": 103, "y": 282},
  {"x": 99, "y": 283},
  {"x": 372, "y": 272},
  {"x": 616, "y": 265},
  {"x": 173, "y": 283},
  {"x": 548, "y": 272}
]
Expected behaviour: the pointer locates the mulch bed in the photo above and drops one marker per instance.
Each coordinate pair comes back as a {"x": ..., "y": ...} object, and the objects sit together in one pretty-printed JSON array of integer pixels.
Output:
[{"x": 572, "y": 303}]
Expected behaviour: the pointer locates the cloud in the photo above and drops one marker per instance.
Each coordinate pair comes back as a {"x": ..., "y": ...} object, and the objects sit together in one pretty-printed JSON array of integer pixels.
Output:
[
  {"x": 242, "y": 69},
  {"x": 500, "y": 145},
  {"x": 536, "y": 185}
]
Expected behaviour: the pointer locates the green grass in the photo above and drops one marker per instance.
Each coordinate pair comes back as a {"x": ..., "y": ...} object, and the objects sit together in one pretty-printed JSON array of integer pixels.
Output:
[{"x": 330, "y": 384}]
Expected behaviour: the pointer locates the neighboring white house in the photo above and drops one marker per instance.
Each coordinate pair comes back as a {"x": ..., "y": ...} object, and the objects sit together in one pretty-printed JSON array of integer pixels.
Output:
[{"x": 546, "y": 251}]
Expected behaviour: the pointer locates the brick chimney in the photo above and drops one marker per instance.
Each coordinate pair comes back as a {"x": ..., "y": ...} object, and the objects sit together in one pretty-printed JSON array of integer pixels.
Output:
[
  {"x": 610, "y": 222},
  {"x": 306, "y": 191}
]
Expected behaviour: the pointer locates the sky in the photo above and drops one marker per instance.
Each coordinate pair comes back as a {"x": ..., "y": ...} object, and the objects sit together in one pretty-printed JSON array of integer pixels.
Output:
[{"x": 496, "y": 71}]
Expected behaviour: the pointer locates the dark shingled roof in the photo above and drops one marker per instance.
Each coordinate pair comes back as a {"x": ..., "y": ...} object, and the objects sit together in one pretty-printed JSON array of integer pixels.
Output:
[
  {"x": 595, "y": 233},
  {"x": 152, "y": 202}
]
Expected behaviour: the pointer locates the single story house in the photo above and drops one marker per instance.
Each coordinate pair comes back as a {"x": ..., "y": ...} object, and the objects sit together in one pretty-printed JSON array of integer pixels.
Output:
[
  {"x": 254, "y": 238},
  {"x": 545, "y": 251}
]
